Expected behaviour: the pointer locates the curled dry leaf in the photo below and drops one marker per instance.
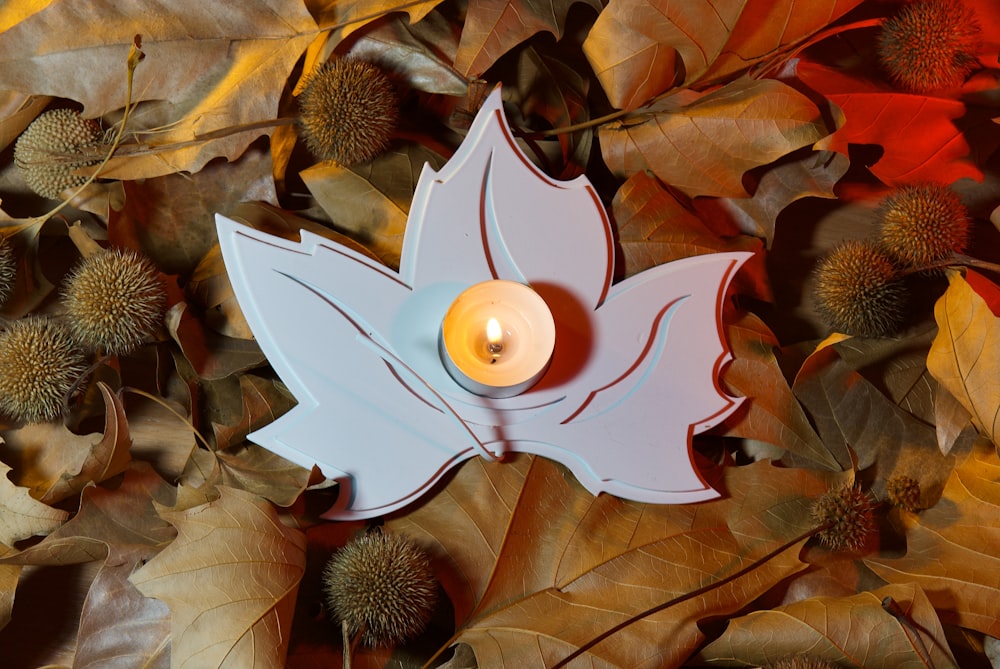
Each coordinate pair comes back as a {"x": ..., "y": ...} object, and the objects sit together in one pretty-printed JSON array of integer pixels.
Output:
[
  {"x": 21, "y": 515},
  {"x": 965, "y": 355},
  {"x": 848, "y": 631},
  {"x": 703, "y": 144},
  {"x": 230, "y": 579},
  {"x": 212, "y": 356},
  {"x": 493, "y": 27},
  {"x": 56, "y": 464}
]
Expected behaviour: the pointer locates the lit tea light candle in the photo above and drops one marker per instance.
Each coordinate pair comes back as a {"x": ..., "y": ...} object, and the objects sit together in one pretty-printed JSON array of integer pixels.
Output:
[{"x": 497, "y": 338}]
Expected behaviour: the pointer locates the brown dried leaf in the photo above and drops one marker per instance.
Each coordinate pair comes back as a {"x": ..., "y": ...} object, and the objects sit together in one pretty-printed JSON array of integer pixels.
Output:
[
  {"x": 208, "y": 69},
  {"x": 212, "y": 355},
  {"x": 31, "y": 286},
  {"x": 640, "y": 48},
  {"x": 949, "y": 547},
  {"x": 965, "y": 355},
  {"x": 703, "y": 144},
  {"x": 371, "y": 201},
  {"x": 418, "y": 53},
  {"x": 555, "y": 550},
  {"x": 172, "y": 218},
  {"x": 493, "y": 27},
  {"x": 230, "y": 580},
  {"x": 263, "y": 401},
  {"x": 21, "y": 515},
  {"x": 850, "y": 413},
  {"x": 771, "y": 413},
  {"x": 55, "y": 464},
  {"x": 843, "y": 631},
  {"x": 813, "y": 174},
  {"x": 654, "y": 228},
  {"x": 342, "y": 17}
]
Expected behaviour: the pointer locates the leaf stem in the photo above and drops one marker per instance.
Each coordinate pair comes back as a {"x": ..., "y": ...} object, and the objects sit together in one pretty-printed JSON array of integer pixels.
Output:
[
  {"x": 161, "y": 402},
  {"x": 135, "y": 56},
  {"x": 893, "y": 608}
]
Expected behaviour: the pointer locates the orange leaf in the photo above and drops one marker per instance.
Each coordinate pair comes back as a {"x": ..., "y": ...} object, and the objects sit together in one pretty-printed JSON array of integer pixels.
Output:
[{"x": 923, "y": 138}]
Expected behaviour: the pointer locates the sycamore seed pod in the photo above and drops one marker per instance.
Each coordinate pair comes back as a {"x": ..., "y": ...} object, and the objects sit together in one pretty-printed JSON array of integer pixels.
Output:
[
  {"x": 39, "y": 363},
  {"x": 47, "y": 153},
  {"x": 929, "y": 45},
  {"x": 348, "y": 111},
  {"x": 114, "y": 301},
  {"x": 381, "y": 585}
]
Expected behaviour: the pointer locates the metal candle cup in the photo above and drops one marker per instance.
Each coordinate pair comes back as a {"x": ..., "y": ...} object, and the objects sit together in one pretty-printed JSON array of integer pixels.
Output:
[{"x": 497, "y": 338}]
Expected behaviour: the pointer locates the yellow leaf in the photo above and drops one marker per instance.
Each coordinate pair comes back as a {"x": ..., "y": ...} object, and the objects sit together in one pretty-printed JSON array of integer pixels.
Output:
[
  {"x": 22, "y": 516},
  {"x": 230, "y": 579},
  {"x": 703, "y": 147},
  {"x": 965, "y": 355}
]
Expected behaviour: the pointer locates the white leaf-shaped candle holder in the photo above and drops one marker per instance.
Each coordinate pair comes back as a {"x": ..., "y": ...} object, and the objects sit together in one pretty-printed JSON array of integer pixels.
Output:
[{"x": 633, "y": 370}]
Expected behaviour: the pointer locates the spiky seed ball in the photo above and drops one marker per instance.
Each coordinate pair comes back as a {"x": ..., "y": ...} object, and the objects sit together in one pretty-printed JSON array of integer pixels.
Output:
[
  {"x": 848, "y": 511},
  {"x": 113, "y": 300},
  {"x": 903, "y": 492},
  {"x": 8, "y": 269},
  {"x": 381, "y": 584},
  {"x": 923, "y": 223},
  {"x": 857, "y": 291},
  {"x": 929, "y": 45},
  {"x": 49, "y": 150},
  {"x": 348, "y": 111},
  {"x": 801, "y": 662},
  {"x": 39, "y": 363}
]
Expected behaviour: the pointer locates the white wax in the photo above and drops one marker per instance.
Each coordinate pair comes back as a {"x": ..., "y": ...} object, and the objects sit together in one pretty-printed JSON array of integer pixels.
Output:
[{"x": 527, "y": 338}]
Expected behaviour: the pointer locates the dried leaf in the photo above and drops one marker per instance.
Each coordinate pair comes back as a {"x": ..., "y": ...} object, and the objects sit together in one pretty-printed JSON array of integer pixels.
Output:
[
  {"x": 212, "y": 355},
  {"x": 493, "y": 27},
  {"x": 420, "y": 54},
  {"x": 22, "y": 516},
  {"x": 263, "y": 401},
  {"x": 55, "y": 464},
  {"x": 949, "y": 547},
  {"x": 702, "y": 146},
  {"x": 371, "y": 201},
  {"x": 172, "y": 218},
  {"x": 850, "y": 413},
  {"x": 209, "y": 70},
  {"x": 654, "y": 228},
  {"x": 554, "y": 548},
  {"x": 773, "y": 415},
  {"x": 343, "y": 17},
  {"x": 844, "y": 631},
  {"x": 640, "y": 48},
  {"x": 964, "y": 356},
  {"x": 812, "y": 175},
  {"x": 230, "y": 580},
  {"x": 939, "y": 152},
  {"x": 31, "y": 286},
  {"x": 950, "y": 420}
]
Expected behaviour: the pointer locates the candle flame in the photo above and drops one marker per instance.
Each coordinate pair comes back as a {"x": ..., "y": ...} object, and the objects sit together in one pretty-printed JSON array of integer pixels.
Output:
[{"x": 494, "y": 335}]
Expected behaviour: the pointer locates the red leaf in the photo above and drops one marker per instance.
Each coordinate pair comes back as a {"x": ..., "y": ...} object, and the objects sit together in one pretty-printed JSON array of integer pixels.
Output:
[{"x": 922, "y": 136}]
